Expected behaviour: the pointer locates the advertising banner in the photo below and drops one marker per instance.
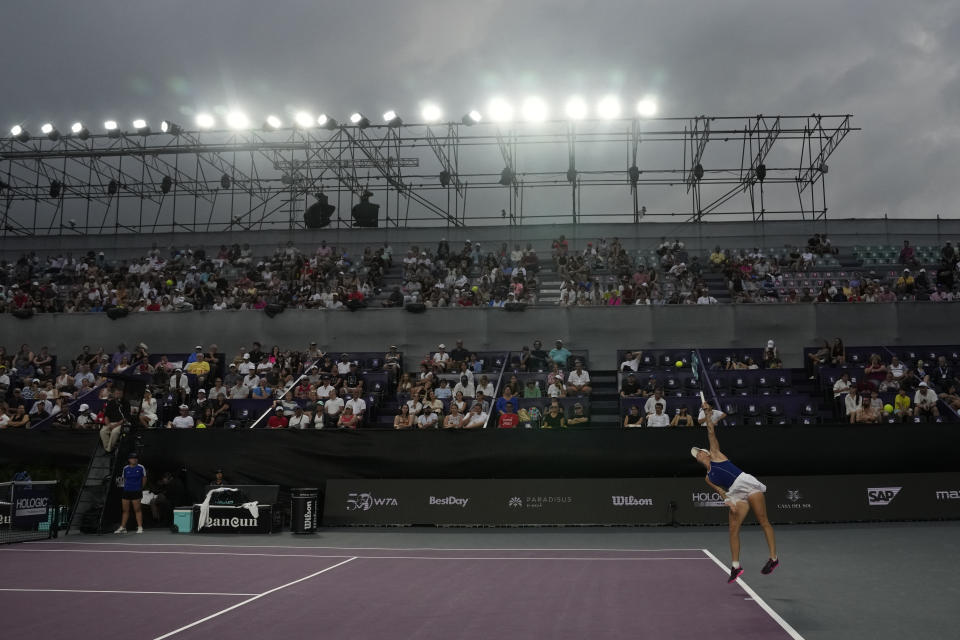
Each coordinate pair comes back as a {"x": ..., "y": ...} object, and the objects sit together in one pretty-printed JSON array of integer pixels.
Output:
[
  {"x": 636, "y": 501},
  {"x": 31, "y": 501},
  {"x": 235, "y": 520}
]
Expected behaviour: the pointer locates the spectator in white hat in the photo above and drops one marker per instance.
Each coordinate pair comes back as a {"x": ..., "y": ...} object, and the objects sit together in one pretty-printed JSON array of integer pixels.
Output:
[
  {"x": 441, "y": 358},
  {"x": 182, "y": 421}
]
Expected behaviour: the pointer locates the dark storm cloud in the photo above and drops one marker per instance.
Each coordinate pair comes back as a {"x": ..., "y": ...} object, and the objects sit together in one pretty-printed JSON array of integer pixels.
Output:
[{"x": 893, "y": 65}]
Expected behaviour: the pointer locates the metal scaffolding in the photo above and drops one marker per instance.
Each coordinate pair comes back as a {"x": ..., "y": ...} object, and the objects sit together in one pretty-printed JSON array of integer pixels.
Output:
[{"x": 419, "y": 174}]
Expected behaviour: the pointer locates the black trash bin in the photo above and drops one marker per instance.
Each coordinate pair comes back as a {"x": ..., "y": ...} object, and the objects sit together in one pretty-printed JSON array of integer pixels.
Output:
[{"x": 303, "y": 510}]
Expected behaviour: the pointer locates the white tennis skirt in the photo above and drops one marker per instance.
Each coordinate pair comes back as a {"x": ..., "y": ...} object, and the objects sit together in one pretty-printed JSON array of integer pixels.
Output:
[{"x": 743, "y": 486}]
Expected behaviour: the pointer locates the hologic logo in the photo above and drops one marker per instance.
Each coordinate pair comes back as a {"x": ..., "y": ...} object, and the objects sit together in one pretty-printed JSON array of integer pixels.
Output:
[
  {"x": 367, "y": 501},
  {"x": 631, "y": 501},
  {"x": 707, "y": 499},
  {"x": 31, "y": 506},
  {"x": 451, "y": 501},
  {"x": 233, "y": 523},
  {"x": 951, "y": 494},
  {"x": 881, "y": 496}
]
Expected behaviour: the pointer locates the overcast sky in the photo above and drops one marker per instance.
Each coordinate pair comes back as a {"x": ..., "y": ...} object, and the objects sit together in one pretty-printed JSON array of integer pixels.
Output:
[{"x": 894, "y": 65}]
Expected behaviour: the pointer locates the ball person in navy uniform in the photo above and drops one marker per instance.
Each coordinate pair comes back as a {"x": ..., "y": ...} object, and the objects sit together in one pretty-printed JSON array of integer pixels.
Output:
[
  {"x": 741, "y": 491},
  {"x": 134, "y": 476}
]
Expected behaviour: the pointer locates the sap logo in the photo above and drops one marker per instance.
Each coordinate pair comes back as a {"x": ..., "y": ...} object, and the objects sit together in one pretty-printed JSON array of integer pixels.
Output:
[
  {"x": 367, "y": 501},
  {"x": 515, "y": 502},
  {"x": 631, "y": 501},
  {"x": 450, "y": 501},
  {"x": 952, "y": 494},
  {"x": 882, "y": 496}
]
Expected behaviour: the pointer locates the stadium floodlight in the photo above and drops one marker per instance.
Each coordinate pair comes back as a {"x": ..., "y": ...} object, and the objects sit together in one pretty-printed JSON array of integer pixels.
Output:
[
  {"x": 19, "y": 133},
  {"x": 205, "y": 120},
  {"x": 576, "y": 108},
  {"x": 80, "y": 131},
  {"x": 647, "y": 107},
  {"x": 472, "y": 118},
  {"x": 113, "y": 129},
  {"x": 534, "y": 110},
  {"x": 238, "y": 120},
  {"x": 50, "y": 131},
  {"x": 303, "y": 119},
  {"x": 141, "y": 126},
  {"x": 500, "y": 110},
  {"x": 431, "y": 113},
  {"x": 360, "y": 120},
  {"x": 392, "y": 119},
  {"x": 327, "y": 122},
  {"x": 272, "y": 122},
  {"x": 170, "y": 127},
  {"x": 608, "y": 107}
]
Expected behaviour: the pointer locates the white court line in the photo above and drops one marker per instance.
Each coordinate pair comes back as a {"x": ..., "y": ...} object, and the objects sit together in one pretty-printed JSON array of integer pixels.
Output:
[
  {"x": 149, "y": 593},
  {"x": 308, "y": 555},
  {"x": 277, "y": 546},
  {"x": 249, "y": 600},
  {"x": 756, "y": 598}
]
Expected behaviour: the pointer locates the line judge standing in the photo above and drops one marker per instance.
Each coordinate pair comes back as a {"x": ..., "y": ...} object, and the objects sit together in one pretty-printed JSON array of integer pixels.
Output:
[{"x": 134, "y": 475}]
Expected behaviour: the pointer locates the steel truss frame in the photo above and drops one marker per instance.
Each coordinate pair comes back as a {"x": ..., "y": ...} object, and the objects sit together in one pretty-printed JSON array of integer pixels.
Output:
[{"x": 260, "y": 179}]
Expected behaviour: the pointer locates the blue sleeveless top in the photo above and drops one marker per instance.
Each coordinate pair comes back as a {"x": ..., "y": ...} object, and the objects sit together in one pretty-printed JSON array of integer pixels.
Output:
[{"x": 723, "y": 473}]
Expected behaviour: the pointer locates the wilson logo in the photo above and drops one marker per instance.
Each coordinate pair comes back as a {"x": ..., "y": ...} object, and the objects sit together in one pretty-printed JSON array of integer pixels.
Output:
[{"x": 631, "y": 501}]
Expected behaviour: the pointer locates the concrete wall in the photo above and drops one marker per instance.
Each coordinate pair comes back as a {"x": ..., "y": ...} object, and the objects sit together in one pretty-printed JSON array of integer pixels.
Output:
[
  {"x": 600, "y": 330},
  {"x": 698, "y": 237}
]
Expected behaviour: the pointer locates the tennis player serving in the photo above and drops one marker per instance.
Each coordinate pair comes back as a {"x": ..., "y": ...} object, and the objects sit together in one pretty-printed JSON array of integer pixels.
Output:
[{"x": 740, "y": 491}]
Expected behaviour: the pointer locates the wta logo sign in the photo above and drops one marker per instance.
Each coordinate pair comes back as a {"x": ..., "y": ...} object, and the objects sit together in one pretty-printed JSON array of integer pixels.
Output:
[
  {"x": 881, "y": 496},
  {"x": 366, "y": 501}
]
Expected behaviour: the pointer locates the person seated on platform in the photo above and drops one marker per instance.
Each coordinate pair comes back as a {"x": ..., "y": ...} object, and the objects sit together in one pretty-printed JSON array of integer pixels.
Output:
[
  {"x": 415, "y": 403},
  {"x": 508, "y": 418},
  {"x": 353, "y": 381},
  {"x": 504, "y": 400},
  {"x": 926, "y": 402},
  {"x": 441, "y": 359},
  {"x": 424, "y": 379},
  {"x": 218, "y": 390},
  {"x": 221, "y": 411},
  {"x": 299, "y": 419},
  {"x": 483, "y": 400},
  {"x": 630, "y": 388},
  {"x": 649, "y": 387},
  {"x": 485, "y": 386},
  {"x": 391, "y": 360},
  {"x": 554, "y": 417},
  {"x": 200, "y": 368},
  {"x": 179, "y": 386},
  {"x": 559, "y": 354},
  {"x": 239, "y": 391},
  {"x": 901, "y": 406},
  {"x": 113, "y": 421},
  {"x": 182, "y": 421},
  {"x": 532, "y": 389},
  {"x": 458, "y": 356},
  {"x": 359, "y": 408},
  {"x": 682, "y": 418},
  {"x": 578, "y": 381},
  {"x": 633, "y": 417},
  {"x": 454, "y": 419},
  {"x": 476, "y": 418},
  {"x": 444, "y": 392},
  {"x": 19, "y": 418},
  {"x": 579, "y": 418},
  {"x": 428, "y": 419},
  {"x": 277, "y": 420},
  {"x": 658, "y": 418},
  {"x": 896, "y": 368},
  {"x": 325, "y": 386},
  {"x": 890, "y": 384},
  {"x": 556, "y": 389},
  {"x": 148, "y": 410},
  {"x": 460, "y": 401},
  {"x": 651, "y": 404},
  {"x": 538, "y": 357},
  {"x": 347, "y": 420},
  {"x": 951, "y": 398},
  {"x": 332, "y": 408},
  {"x": 42, "y": 407},
  {"x": 404, "y": 419},
  {"x": 631, "y": 361},
  {"x": 262, "y": 391},
  {"x": 465, "y": 386},
  {"x": 865, "y": 414}
]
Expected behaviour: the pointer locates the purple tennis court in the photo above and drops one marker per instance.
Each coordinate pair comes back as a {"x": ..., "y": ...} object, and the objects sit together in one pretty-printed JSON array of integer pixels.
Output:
[{"x": 201, "y": 591}]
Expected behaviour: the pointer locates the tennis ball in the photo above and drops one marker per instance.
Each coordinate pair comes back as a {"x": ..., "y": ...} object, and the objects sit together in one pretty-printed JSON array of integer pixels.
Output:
[
  {"x": 201, "y": 426},
  {"x": 169, "y": 283},
  {"x": 679, "y": 363},
  {"x": 475, "y": 288},
  {"x": 888, "y": 408}
]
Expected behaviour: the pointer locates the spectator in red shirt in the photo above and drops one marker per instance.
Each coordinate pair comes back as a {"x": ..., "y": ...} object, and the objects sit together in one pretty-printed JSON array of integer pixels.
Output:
[
  {"x": 277, "y": 420},
  {"x": 508, "y": 419}
]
